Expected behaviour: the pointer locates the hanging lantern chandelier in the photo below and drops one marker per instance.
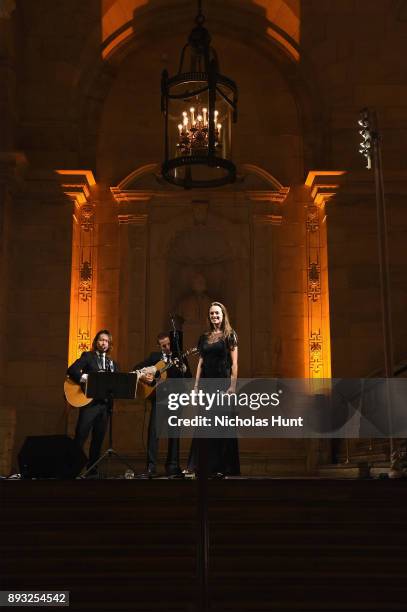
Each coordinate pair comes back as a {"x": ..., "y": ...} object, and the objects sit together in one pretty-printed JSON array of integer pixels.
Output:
[{"x": 199, "y": 106}]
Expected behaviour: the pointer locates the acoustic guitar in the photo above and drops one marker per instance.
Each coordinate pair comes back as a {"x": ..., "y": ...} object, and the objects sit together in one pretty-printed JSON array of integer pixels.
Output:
[
  {"x": 74, "y": 394},
  {"x": 144, "y": 390}
]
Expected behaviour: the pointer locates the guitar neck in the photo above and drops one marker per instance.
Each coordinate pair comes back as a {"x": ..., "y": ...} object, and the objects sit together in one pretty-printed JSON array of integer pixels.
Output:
[
  {"x": 191, "y": 351},
  {"x": 183, "y": 355}
]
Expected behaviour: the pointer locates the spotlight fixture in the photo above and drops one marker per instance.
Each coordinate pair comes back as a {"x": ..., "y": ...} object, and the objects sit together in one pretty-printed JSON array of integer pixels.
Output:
[
  {"x": 368, "y": 134},
  {"x": 199, "y": 106},
  {"x": 370, "y": 148}
]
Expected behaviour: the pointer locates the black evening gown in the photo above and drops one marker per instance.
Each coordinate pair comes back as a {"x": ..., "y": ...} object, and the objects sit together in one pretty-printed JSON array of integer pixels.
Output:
[{"x": 223, "y": 453}]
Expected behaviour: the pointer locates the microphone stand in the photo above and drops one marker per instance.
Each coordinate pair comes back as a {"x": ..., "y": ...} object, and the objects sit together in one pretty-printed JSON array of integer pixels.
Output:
[{"x": 177, "y": 347}]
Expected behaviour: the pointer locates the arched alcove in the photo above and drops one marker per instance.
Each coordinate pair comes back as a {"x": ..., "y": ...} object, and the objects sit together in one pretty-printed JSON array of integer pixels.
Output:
[
  {"x": 268, "y": 132},
  {"x": 276, "y": 86}
]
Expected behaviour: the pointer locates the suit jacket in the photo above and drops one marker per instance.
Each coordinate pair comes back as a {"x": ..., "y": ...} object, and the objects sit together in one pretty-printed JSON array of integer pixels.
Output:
[
  {"x": 172, "y": 372},
  {"x": 88, "y": 362}
]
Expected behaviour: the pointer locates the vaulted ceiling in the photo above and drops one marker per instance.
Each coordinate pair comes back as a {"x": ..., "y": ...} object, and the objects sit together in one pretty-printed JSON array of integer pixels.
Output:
[{"x": 119, "y": 17}]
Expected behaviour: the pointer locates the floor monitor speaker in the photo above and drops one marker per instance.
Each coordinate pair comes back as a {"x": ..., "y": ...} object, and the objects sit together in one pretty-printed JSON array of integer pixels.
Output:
[{"x": 50, "y": 457}]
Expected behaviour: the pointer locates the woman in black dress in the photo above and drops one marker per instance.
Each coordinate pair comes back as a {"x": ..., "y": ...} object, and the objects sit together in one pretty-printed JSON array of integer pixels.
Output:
[{"x": 218, "y": 359}]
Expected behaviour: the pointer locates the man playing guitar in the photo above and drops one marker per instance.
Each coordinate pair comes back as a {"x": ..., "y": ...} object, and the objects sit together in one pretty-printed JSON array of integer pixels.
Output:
[
  {"x": 94, "y": 416},
  {"x": 177, "y": 370}
]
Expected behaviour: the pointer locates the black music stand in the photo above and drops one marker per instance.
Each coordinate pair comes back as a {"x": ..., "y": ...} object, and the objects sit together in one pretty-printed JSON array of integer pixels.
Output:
[{"x": 110, "y": 386}]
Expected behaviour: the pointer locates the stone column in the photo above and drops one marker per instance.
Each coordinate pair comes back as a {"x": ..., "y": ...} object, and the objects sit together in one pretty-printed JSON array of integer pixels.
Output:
[
  {"x": 80, "y": 187},
  {"x": 321, "y": 187}
]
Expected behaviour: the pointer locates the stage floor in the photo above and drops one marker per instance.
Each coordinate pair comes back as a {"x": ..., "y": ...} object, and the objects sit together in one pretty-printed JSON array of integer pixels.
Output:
[{"x": 275, "y": 544}]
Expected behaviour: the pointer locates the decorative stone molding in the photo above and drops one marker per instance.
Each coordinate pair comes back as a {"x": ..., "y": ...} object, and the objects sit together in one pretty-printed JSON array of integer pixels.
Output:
[
  {"x": 130, "y": 195},
  {"x": 267, "y": 219},
  {"x": 279, "y": 196},
  {"x": 86, "y": 217},
  {"x": 312, "y": 221},
  {"x": 356, "y": 186},
  {"x": 316, "y": 353},
  {"x": 78, "y": 186},
  {"x": 130, "y": 199},
  {"x": 85, "y": 282},
  {"x": 273, "y": 197},
  {"x": 314, "y": 281},
  {"x": 132, "y": 219},
  {"x": 323, "y": 185}
]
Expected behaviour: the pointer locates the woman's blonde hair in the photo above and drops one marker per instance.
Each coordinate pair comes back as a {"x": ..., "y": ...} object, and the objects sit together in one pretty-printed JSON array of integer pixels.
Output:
[{"x": 225, "y": 325}]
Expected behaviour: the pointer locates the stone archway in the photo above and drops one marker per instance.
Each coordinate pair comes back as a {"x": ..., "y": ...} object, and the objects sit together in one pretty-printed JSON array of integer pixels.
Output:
[{"x": 252, "y": 23}]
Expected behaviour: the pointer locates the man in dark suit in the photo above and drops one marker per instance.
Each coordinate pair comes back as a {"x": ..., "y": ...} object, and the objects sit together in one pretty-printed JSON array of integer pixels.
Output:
[
  {"x": 94, "y": 416},
  {"x": 172, "y": 467}
]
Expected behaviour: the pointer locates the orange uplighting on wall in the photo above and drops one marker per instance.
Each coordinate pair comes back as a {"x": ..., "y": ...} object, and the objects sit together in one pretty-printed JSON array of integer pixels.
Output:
[
  {"x": 292, "y": 51},
  {"x": 115, "y": 13},
  {"x": 87, "y": 174},
  {"x": 78, "y": 185},
  {"x": 117, "y": 22},
  {"x": 285, "y": 14},
  {"x": 117, "y": 40},
  {"x": 322, "y": 186}
]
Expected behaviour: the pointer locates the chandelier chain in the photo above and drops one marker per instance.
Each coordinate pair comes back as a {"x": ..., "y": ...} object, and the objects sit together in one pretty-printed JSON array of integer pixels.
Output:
[{"x": 200, "y": 18}]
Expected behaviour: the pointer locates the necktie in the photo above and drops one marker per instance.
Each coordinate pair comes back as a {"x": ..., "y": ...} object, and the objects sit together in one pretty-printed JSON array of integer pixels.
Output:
[{"x": 101, "y": 360}]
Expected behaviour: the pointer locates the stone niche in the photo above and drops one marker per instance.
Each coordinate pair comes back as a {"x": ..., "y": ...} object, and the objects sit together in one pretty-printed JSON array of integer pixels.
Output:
[{"x": 179, "y": 252}]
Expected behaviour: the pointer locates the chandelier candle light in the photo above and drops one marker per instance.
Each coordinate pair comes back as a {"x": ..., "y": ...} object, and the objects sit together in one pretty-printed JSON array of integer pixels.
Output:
[
  {"x": 199, "y": 105},
  {"x": 194, "y": 134}
]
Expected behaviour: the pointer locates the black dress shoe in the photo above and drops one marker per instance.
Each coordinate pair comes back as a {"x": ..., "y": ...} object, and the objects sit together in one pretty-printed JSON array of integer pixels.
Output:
[
  {"x": 217, "y": 476},
  {"x": 148, "y": 475},
  {"x": 176, "y": 476}
]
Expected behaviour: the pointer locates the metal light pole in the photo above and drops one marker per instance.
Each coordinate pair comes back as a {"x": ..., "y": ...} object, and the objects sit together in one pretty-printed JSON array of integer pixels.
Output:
[{"x": 370, "y": 148}]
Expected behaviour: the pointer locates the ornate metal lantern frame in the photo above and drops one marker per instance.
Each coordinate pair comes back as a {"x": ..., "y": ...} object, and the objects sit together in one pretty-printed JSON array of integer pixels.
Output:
[{"x": 198, "y": 154}]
